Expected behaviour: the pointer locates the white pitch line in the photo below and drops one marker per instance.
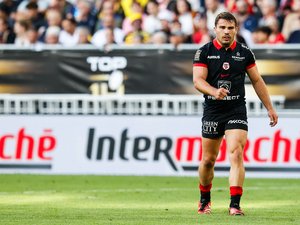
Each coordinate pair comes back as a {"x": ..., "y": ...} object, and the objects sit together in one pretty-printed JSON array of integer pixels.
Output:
[{"x": 146, "y": 190}]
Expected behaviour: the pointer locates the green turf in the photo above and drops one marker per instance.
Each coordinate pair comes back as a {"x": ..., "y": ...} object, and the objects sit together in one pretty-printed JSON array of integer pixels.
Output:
[{"x": 89, "y": 200}]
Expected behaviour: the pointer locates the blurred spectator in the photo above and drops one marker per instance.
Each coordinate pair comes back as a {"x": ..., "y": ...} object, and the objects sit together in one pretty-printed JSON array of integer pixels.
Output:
[
  {"x": 7, "y": 36},
  {"x": 159, "y": 37},
  {"x": 42, "y": 5},
  {"x": 166, "y": 17},
  {"x": 36, "y": 18},
  {"x": 294, "y": 38},
  {"x": 68, "y": 35},
  {"x": 129, "y": 6},
  {"x": 231, "y": 6},
  {"x": 213, "y": 8},
  {"x": 285, "y": 7},
  {"x": 33, "y": 37},
  {"x": 185, "y": 17},
  {"x": 151, "y": 21},
  {"x": 20, "y": 28},
  {"x": 99, "y": 38},
  {"x": 261, "y": 35},
  {"x": 163, "y": 4},
  {"x": 137, "y": 35},
  {"x": 53, "y": 18},
  {"x": 292, "y": 21},
  {"x": 201, "y": 34},
  {"x": 145, "y": 21},
  {"x": 268, "y": 10},
  {"x": 9, "y": 7},
  {"x": 65, "y": 8},
  {"x": 109, "y": 35},
  {"x": 85, "y": 15},
  {"x": 245, "y": 19},
  {"x": 52, "y": 35},
  {"x": 195, "y": 5},
  {"x": 136, "y": 9},
  {"x": 111, "y": 7},
  {"x": 240, "y": 38},
  {"x": 84, "y": 35},
  {"x": 276, "y": 37},
  {"x": 177, "y": 36}
]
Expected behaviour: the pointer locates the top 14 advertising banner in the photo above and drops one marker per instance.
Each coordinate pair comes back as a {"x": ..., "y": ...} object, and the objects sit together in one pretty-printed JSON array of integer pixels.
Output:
[
  {"x": 133, "y": 71},
  {"x": 131, "y": 145}
]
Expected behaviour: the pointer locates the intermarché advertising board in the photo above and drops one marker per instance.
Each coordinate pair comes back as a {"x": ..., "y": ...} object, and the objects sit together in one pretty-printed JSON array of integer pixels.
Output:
[{"x": 138, "y": 145}]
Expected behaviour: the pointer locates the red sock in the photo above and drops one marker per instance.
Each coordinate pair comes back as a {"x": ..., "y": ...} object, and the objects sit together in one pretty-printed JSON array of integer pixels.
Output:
[
  {"x": 236, "y": 190},
  {"x": 205, "y": 193},
  {"x": 235, "y": 193},
  {"x": 205, "y": 188}
]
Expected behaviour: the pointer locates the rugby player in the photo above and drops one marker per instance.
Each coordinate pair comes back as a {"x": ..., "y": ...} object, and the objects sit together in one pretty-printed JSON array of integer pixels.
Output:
[{"x": 219, "y": 70}]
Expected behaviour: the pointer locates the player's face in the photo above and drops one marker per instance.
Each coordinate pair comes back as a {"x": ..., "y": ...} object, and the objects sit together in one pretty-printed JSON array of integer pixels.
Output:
[{"x": 225, "y": 32}]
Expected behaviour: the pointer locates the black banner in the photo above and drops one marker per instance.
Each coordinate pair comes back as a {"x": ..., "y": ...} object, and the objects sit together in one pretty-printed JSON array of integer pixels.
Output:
[{"x": 132, "y": 71}]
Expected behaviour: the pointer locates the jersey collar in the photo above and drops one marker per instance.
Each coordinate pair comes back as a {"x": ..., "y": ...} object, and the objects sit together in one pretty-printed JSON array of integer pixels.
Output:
[{"x": 218, "y": 46}]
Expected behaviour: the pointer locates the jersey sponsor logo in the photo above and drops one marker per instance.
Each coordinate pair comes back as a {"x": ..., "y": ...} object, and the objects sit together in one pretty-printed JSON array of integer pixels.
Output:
[
  {"x": 237, "y": 122},
  {"x": 238, "y": 58},
  {"x": 210, "y": 127},
  {"x": 227, "y": 98},
  {"x": 226, "y": 65},
  {"x": 224, "y": 75},
  {"x": 197, "y": 55},
  {"x": 224, "y": 84},
  {"x": 213, "y": 57}
]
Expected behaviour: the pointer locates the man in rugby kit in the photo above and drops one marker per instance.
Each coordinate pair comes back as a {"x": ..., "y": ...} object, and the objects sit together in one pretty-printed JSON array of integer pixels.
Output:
[{"x": 219, "y": 70}]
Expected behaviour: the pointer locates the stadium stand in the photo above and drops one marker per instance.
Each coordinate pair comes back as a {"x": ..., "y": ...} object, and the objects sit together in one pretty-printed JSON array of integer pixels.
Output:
[{"x": 26, "y": 23}]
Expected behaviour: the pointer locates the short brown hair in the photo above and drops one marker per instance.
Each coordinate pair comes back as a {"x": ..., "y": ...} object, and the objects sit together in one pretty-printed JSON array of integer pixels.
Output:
[{"x": 226, "y": 16}]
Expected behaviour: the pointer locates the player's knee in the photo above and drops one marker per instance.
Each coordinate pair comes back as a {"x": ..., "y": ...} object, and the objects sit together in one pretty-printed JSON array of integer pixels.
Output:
[
  {"x": 236, "y": 154},
  {"x": 208, "y": 163}
]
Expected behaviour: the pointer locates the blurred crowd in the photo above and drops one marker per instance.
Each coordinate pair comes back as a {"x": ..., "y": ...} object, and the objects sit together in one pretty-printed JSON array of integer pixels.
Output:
[{"x": 102, "y": 22}]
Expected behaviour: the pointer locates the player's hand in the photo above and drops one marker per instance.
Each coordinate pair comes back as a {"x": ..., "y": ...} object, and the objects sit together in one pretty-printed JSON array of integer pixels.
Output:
[
  {"x": 221, "y": 93},
  {"x": 273, "y": 117}
]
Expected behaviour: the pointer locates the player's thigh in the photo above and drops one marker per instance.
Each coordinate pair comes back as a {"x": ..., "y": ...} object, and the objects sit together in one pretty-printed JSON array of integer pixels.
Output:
[
  {"x": 210, "y": 147},
  {"x": 236, "y": 139}
]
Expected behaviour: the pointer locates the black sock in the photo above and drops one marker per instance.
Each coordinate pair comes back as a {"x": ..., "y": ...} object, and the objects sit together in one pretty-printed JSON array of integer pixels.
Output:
[
  {"x": 235, "y": 201},
  {"x": 205, "y": 197}
]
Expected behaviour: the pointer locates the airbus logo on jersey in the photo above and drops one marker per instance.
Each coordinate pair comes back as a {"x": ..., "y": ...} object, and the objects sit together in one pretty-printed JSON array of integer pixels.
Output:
[{"x": 213, "y": 57}]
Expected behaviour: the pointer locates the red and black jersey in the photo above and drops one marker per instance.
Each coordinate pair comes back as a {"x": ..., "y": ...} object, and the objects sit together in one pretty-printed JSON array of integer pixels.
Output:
[{"x": 227, "y": 69}]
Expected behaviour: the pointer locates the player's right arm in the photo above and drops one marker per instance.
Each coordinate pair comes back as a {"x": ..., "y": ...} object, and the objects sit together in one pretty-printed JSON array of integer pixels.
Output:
[{"x": 199, "y": 78}]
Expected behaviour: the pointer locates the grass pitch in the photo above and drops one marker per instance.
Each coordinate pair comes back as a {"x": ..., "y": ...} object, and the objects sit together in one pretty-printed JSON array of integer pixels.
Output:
[{"x": 115, "y": 200}]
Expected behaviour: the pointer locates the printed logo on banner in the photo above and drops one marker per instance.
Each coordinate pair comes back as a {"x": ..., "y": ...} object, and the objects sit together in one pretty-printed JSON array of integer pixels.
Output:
[
  {"x": 183, "y": 153},
  {"x": 22, "y": 150},
  {"x": 111, "y": 78}
]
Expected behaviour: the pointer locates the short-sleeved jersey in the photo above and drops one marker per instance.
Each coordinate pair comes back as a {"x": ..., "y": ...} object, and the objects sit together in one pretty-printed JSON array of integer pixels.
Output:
[{"x": 227, "y": 69}]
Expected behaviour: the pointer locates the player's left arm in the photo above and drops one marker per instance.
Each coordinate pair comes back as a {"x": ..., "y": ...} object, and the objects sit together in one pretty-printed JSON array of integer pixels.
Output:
[{"x": 262, "y": 92}]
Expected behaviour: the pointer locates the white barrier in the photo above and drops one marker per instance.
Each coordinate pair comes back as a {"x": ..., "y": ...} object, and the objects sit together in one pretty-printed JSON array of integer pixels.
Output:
[{"x": 70, "y": 104}]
